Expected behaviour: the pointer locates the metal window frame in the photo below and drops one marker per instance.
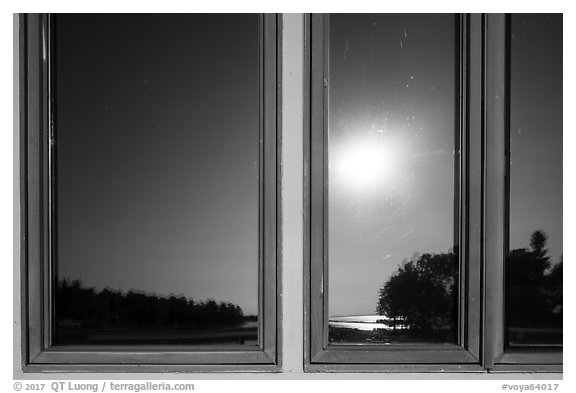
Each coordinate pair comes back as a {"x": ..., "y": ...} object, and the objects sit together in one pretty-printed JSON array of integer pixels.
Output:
[
  {"x": 38, "y": 353},
  {"x": 482, "y": 115},
  {"x": 496, "y": 87},
  {"x": 321, "y": 356}
]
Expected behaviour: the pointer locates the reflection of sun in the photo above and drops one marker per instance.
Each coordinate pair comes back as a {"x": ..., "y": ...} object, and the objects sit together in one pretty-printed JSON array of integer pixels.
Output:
[{"x": 369, "y": 164}]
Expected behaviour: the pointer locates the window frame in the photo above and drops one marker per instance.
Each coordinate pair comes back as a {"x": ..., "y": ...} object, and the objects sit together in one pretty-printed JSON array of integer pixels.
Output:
[
  {"x": 496, "y": 198},
  {"x": 482, "y": 118},
  {"x": 37, "y": 230}
]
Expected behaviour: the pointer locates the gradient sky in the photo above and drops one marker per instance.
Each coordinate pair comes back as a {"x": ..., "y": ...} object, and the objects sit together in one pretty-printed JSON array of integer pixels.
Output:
[
  {"x": 157, "y": 154},
  {"x": 392, "y": 83},
  {"x": 157, "y": 149},
  {"x": 536, "y": 130},
  {"x": 392, "y": 87}
]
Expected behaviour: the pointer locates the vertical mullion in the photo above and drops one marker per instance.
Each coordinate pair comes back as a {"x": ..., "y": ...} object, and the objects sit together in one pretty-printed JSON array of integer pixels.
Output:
[
  {"x": 460, "y": 172},
  {"x": 306, "y": 187},
  {"x": 23, "y": 140},
  {"x": 472, "y": 147},
  {"x": 260, "y": 180},
  {"x": 325, "y": 182},
  {"x": 34, "y": 156},
  {"x": 44, "y": 184},
  {"x": 278, "y": 32},
  {"x": 494, "y": 187},
  {"x": 50, "y": 265},
  {"x": 506, "y": 182},
  {"x": 269, "y": 264},
  {"x": 317, "y": 295}
]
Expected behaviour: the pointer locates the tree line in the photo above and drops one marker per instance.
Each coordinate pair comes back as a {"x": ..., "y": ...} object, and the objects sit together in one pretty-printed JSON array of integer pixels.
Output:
[{"x": 76, "y": 303}]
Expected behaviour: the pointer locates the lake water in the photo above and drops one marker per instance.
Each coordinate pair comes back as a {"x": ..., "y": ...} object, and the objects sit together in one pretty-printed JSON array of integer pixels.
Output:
[{"x": 361, "y": 322}]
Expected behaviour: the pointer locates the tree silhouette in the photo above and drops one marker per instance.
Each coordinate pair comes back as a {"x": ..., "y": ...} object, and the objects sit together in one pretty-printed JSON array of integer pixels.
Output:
[
  {"x": 75, "y": 303},
  {"x": 534, "y": 286},
  {"x": 422, "y": 293},
  {"x": 553, "y": 288}
]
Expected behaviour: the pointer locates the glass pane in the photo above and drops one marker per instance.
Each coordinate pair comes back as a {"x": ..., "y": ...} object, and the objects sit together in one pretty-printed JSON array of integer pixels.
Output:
[
  {"x": 393, "y": 269},
  {"x": 157, "y": 162},
  {"x": 534, "y": 265}
]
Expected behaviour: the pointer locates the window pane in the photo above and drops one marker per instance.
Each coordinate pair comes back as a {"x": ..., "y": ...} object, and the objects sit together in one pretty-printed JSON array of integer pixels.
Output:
[
  {"x": 535, "y": 257},
  {"x": 393, "y": 266},
  {"x": 157, "y": 173}
]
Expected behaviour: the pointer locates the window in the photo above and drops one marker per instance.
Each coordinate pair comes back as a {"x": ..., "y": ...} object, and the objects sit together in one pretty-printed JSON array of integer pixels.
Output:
[
  {"x": 408, "y": 183},
  {"x": 528, "y": 271},
  {"x": 152, "y": 201},
  {"x": 534, "y": 262},
  {"x": 151, "y": 192}
]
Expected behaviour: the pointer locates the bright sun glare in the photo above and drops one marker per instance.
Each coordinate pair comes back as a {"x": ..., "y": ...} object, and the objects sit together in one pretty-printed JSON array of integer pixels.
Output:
[{"x": 369, "y": 164}]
